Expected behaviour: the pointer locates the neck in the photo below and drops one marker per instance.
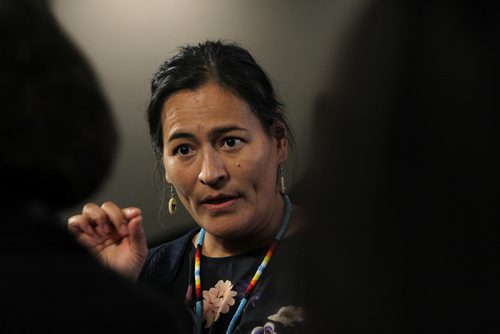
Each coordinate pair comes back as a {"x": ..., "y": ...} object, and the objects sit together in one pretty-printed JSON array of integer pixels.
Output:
[
  {"x": 281, "y": 229},
  {"x": 214, "y": 246}
]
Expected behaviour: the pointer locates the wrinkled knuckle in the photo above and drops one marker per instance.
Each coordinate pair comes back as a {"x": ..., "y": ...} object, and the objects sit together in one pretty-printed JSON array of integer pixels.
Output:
[
  {"x": 107, "y": 204},
  {"x": 88, "y": 206}
]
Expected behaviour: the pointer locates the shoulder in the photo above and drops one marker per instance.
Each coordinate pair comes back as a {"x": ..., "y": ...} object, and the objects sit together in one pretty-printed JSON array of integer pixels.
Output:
[{"x": 164, "y": 259}]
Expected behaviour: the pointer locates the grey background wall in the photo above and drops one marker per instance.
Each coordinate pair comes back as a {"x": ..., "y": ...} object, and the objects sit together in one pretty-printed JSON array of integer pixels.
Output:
[{"x": 126, "y": 40}]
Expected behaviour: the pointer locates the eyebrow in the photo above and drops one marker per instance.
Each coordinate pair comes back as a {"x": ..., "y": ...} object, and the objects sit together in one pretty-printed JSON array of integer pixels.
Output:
[
  {"x": 178, "y": 135},
  {"x": 214, "y": 133},
  {"x": 217, "y": 132}
]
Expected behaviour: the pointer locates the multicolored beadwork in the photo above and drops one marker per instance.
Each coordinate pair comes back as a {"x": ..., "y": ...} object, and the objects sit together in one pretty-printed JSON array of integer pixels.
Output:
[
  {"x": 253, "y": 282},
  {"x": 197, "y": 281}
]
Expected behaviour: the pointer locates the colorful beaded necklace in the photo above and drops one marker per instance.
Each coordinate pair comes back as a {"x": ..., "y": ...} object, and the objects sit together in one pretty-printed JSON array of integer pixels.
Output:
[{"x": 253, "y": 282}]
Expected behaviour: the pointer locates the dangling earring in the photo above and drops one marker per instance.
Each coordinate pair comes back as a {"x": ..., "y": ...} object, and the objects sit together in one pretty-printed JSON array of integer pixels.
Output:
[
  {"x": 282, "y": 179},
  {"x": 172, "y": 203}
]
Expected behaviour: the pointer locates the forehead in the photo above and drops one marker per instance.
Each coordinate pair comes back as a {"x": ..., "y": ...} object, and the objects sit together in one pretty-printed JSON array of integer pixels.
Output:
[{"x": 206, "y": 107}]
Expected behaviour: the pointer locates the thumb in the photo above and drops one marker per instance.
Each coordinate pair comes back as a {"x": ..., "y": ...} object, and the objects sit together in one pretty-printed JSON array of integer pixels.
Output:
[{"x": 137, "y": 237}]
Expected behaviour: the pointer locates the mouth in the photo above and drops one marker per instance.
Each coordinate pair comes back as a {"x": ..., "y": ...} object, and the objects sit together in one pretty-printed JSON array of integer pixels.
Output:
[{"x": 219, "y": 202}]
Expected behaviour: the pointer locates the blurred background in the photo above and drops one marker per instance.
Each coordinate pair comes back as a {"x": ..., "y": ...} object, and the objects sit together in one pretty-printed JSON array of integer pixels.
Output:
[{"x": 126, "y": 40}]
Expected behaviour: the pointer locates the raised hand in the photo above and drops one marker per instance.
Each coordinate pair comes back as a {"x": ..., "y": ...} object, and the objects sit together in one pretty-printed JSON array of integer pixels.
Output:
[{"x": 113, "y": 234}]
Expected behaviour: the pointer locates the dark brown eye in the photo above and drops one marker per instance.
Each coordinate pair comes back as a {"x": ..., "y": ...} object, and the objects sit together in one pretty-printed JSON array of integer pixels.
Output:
[
  {"x": 183, "y": 149},
  {"x": 231, "y": 142}
]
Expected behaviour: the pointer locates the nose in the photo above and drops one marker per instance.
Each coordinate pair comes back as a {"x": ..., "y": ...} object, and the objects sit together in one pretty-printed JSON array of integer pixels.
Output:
[{"x": 213, "y": 170}]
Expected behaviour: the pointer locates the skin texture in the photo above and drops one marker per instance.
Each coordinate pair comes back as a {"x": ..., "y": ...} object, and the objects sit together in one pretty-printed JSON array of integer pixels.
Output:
[
  {"x": 223, "y": 165},
  {"x": 216, "y": 148}
]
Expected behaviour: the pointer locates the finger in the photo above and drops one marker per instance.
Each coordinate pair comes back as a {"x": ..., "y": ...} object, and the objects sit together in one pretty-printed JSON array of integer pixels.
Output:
[
  {"x": 124, "y": 228},
  {"x": 115, "y": 216},
  {"x": 98, "y": 218},
  {"x": 131, "y": 212},
  {"x": 80, "y": 224},
  {"x": 90, "y": 242}
]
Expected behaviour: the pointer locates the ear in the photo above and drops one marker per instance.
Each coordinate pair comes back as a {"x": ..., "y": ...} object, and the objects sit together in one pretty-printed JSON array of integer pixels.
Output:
[{"x": 280, "y": 133}]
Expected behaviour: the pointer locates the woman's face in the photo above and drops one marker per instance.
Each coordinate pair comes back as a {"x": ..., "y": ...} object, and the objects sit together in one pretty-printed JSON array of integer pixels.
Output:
[{"x": 221, "y": 161}]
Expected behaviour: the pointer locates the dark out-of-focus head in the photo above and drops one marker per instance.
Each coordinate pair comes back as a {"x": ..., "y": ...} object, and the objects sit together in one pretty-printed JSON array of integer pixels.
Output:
[
  {"x": 227, "y": 64},
  {"x": 57, "y": 136},
  {"x": 403, "y": 190}
]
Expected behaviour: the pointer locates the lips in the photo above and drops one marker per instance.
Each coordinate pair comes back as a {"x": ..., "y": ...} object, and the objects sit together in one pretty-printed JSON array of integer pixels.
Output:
[{"x": 218, "y": 202}]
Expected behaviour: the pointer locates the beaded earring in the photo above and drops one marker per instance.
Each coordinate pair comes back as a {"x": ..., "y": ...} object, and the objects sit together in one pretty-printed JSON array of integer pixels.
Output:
[
  {"x": 282, "y": 179},
  {"x": 172, "y": 203}
]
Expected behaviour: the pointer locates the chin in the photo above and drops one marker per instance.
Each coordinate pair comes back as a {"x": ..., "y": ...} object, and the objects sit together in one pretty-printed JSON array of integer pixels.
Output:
[{"x": 225, "y": 228}]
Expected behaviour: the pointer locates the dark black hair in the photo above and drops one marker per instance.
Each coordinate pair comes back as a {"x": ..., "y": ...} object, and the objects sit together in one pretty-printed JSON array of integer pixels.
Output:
[{"x": 227, "y": 64}]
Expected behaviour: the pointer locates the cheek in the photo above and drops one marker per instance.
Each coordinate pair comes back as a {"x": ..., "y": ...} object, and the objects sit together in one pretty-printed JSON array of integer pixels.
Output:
[
  {"x": 166, "y": 172},
  {"x": 256, "y": 168},
  {"x": 179, "y": 176},
  {"x": 165, "y": 161}
]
